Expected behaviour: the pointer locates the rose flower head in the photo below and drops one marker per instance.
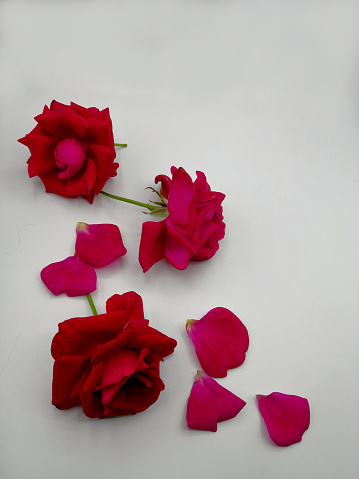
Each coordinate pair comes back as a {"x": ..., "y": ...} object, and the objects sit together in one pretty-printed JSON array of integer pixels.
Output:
[
  {"x": 193, "y": 227},
  {"x": 109, "y": 363},
  {"x": 72, "y": 150}
]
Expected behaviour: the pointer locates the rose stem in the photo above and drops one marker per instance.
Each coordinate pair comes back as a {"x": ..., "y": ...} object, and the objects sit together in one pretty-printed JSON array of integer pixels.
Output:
[
  {"x": 133, "y": 202},
  {"x": 121, "y": 144},
  {"x": 89, "y": 297}
]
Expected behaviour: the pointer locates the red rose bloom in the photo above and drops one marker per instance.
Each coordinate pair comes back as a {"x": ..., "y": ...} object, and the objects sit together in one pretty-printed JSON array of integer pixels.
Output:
[
  {"x": 72, "y": 150},
  {"x": 193, "y": 227},
  {"x": 109, "y": 363}
]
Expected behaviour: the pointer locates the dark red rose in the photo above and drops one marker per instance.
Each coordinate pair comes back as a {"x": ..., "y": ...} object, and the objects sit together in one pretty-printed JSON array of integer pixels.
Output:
[
  {"x": 193, "y": 227},
  {"x": 72, "y": 150},
  {"x": 109, "y": 364}
]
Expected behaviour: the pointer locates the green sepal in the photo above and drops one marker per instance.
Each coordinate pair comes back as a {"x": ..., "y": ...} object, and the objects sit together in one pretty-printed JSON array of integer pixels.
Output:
[
  {"x": 159, "y": 203},
  {"x": 163, "y": 199},
  {"x": 158, "y": 213}
]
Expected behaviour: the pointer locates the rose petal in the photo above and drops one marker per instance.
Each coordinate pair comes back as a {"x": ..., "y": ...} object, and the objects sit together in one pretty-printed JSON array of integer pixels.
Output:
[
  {"x": 82, "y": 183},
  {"x": 99, "y": 244},
  {"x": 85, "y": 335},
  {"x": 152, "y": 245},
  {"x": 52, "y": 183},
  {"x": 210, "y": 403},
  {"x": 122, "y": 363},
  {"x": 182, "y": 200},
  {"x": 177, "y": 254},
  {"x": 70, "y": 157},
  {"x": 286, "y": 417},
  {"x": 166, "y": 184},
  {"x": 42, "y": 158},
  {"x": 70, "y": 276},
  {"x": 201, "y": 184},
  {"x": 68, "y": 372},
  {"x": 105, "y": 166},
  {"x": 130, "y": 302},
  {"x": 220, "y": 340},
  {"x": 99, "y": 133},
  {"x": 156, "y": 341},
  {"x": 63, "y": 123}
]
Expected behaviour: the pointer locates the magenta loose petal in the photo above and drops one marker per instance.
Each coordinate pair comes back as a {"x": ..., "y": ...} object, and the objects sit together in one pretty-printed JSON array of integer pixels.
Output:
[
  {"x": 286, "y": 417},
  {"x": 220, "y": 340},
  {"x": 98, "y": 245},
  {"x": 70, "y": 276},
  {"x": 210, "y": 403}
]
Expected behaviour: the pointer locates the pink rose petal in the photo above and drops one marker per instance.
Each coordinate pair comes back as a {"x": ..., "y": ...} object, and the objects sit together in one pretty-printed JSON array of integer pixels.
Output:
[
  {"x": 220, "y": 340},
  {"x": 98, "y": 245},
  {"x": 210, "y": 403},
  {"x": 70, "y": 276},
  {"x": 286, "y": 417}
]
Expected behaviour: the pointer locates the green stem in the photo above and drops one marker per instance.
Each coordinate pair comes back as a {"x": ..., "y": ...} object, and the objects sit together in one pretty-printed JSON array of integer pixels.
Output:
[
  {"x": 121, "y": 144},
  {"x": 93, "y": 309},
  {"x": 133, "y": 202}
]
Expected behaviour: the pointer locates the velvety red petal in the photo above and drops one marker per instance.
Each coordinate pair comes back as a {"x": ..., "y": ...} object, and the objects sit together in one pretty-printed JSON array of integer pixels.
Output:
[
  {"x": 84, "y": 335},
  {"x": 90, "y": 400},
  {"x": 131, "y": 331},
  {"x": 99, "y": 133},
  {"x": 123, "y": 363},
  {"x": 152, "y": 244},
  {"x": 42, "y": 158},
  {"x": 63, "y": 123},
  {"x": 82, "y": 183},
  {"x": 55, "y": 105},
  {"x": 83, "y": 111},
  {"x": 136, "y": 395},
  {"x": 53, "y": 184},
  {"x": 70, "y": 276},
  {"x": 154, "y": 340},
  {"x": 287, "y": 417},
  {"x": 105, "y": 166},
  {"x": 220, "y": 340},
  {"x": 99, "y": 244},
  {"x": 210, "y": 403},
  {"x": 67, "y": 372},
  {"x": 130, "y": 302}
]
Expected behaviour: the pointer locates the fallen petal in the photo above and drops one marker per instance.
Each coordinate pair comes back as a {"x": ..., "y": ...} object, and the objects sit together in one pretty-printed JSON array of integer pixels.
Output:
[
  {"x": 286, "y": 417},
  {"x": 70, "y": 276},
  {"x": 220, "y": 340},
  {"x": 98, "y": 245},
  {"x": 210, "y": 403}
]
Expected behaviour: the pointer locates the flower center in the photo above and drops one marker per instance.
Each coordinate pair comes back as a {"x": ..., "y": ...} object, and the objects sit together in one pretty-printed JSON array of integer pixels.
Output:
[{"x": 70, "y": 156}]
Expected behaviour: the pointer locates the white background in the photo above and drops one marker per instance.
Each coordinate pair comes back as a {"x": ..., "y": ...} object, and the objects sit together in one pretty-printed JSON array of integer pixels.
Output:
[{"x": 263, "y": 97}]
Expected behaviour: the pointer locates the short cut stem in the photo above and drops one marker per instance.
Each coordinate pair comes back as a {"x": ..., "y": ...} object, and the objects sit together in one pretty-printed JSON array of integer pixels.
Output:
[
  {"x": 90, "y": 300},
  {"x": 133, "y": 202},
  {"x": 121, "y": 144}
]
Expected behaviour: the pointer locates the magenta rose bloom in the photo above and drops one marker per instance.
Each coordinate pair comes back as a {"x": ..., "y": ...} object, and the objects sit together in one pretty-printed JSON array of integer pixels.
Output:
[
  {"x": 193, "y": 227},
  {"x": 72, "y": 150},
  {"x": 109, "y": 364}
]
